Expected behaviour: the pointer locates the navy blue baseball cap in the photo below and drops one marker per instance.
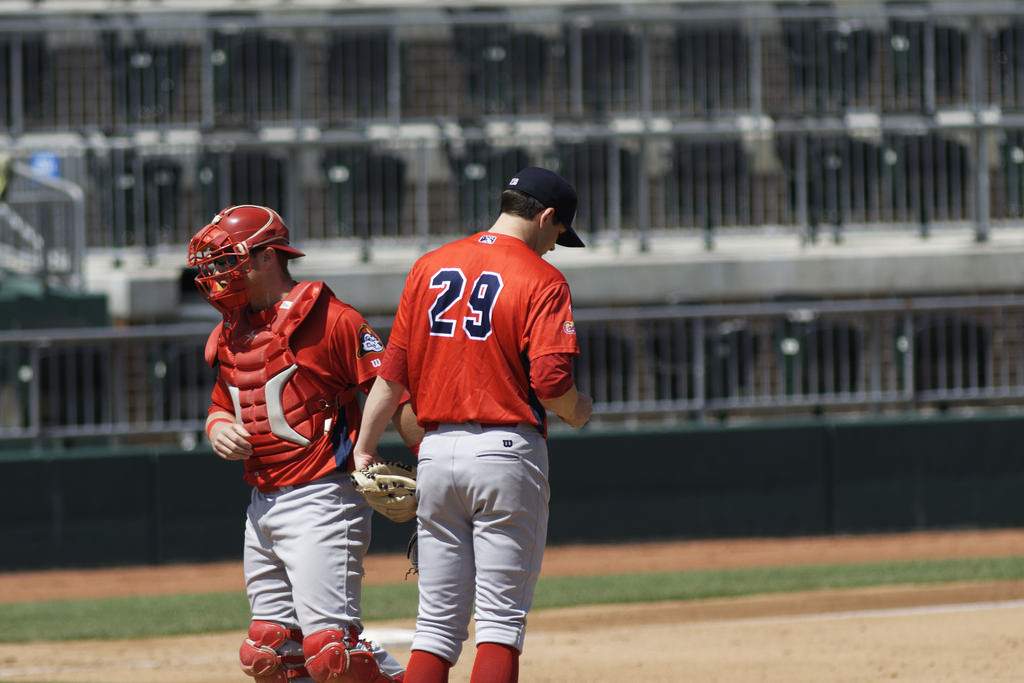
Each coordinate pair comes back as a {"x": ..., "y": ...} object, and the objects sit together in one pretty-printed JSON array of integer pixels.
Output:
[{"x": 553, "y": 191}]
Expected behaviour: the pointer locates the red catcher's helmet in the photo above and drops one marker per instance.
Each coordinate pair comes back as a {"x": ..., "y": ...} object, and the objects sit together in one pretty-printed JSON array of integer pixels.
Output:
[{"x": 221, "y": 251}]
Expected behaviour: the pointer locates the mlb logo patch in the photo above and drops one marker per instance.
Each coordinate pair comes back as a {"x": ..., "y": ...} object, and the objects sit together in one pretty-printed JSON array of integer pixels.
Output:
[
  {"x": 488, "y": 239},
  {"x": 514, "y": 182},
  {"x": 569, "y": 327}
]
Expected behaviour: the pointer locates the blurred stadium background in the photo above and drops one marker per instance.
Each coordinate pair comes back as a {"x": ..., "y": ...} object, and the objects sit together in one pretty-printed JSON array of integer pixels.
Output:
[{"x": 802, "y": 293}]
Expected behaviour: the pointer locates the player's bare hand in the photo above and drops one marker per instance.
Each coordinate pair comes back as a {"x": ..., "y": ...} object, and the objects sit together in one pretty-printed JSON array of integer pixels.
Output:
[
  {"x": 581, "y": 413},
  {"x": 361, "y": 459},
  {"x": 230, "y": 441}
]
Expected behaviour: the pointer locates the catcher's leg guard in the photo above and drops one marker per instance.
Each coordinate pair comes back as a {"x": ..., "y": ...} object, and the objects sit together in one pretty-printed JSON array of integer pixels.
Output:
[
  {"x": 334, "y": 656},
  {"x": 327, "y": 655},
  {"x": 272, "y": 653},
  {"x": 364, "y": 667}
]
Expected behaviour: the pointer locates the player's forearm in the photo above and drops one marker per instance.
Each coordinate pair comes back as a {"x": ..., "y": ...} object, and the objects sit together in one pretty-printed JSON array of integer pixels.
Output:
[
  {"x": 572, "y": 406},
  {"x": 407, "y": 426},
  {"x": 218, "y": 415},
  {"x": 380, "y": 407}
]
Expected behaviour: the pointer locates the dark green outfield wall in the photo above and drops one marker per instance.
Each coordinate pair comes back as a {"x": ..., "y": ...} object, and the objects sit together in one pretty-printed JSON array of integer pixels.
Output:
[{"x": 813, "y": 477}]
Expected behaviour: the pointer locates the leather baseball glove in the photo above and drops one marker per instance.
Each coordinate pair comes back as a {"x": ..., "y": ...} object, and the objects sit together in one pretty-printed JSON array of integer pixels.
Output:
[{"x": 389, "y": 488}]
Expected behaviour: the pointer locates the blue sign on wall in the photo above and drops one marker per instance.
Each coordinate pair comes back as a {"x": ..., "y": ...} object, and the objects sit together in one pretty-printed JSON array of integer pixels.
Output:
[{"x": 45, "y": 164}]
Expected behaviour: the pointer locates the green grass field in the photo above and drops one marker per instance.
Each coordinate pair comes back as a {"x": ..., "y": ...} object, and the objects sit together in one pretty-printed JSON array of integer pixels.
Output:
[{"x": 211, "y": 612}]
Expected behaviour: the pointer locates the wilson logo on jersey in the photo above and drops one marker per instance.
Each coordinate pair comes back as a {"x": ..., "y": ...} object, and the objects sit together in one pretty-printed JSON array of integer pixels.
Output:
[
  {"x": 369, "y": 341},
  {"x": 569, "y": 327}
]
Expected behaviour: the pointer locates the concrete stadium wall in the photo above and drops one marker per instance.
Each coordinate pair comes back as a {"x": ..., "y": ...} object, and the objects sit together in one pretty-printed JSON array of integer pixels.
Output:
[
  {"x": 675, "y": 270},
  {"x": 811, "y": 477}
]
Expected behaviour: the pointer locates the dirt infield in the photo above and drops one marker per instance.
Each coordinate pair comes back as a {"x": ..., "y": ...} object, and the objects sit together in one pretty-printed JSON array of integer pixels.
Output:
[
  {"x": 962, "y": 632},
  {"x": 956, "y": 632}
]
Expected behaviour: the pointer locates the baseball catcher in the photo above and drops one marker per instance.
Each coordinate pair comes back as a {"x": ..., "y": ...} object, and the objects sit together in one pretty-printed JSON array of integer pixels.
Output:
[{"x": 290, "y": 359}]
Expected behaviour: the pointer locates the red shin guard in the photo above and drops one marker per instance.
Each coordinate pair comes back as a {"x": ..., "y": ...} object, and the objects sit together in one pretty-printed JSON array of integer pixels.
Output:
[
  {"x": 426, "y": 667},
  {"x": 495, "y": 663},
  {"x": 338, "y": 656},
  {"x": 363, "y": 668},
  {"x": 271, "y": 653},
  {"x": 326, "y": 654}
]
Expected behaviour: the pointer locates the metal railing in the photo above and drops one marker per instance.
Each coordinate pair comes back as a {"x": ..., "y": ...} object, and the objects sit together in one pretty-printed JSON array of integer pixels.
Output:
[
  {"x": 383, "y": 124},
  {"x": 42, "y": 227},
  {"x": 675, "y": 363},
  {"x": 856, "y": 355}
]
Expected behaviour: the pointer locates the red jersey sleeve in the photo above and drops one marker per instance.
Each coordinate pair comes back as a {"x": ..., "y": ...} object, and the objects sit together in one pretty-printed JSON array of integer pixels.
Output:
[
  {"x": 220, "y": 399},
  {"x": 399, "y": 336},
  {"x": 357, "y": 350},
  {"x": 396, "y": 365},
  {"x": 549, "y": 325},
  {"x": 551, "y": 375}
]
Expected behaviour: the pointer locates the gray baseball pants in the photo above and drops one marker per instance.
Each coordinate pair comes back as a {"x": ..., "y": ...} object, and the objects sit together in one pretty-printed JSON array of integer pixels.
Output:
[
  {"x": 482, "y": 527},
  {"x": 303, "y": 558}
]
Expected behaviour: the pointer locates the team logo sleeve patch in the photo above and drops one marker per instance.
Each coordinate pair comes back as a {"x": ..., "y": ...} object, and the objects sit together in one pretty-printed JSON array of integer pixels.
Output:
[
  {"x": 369, "y": 341},
  {"x": 569, "y": 327}
]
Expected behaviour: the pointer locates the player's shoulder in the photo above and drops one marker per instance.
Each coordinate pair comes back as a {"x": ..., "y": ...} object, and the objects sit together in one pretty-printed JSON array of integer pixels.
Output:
[
  {"x": 339, "y": 310},
  {"x": 349, "y": 327},
  {"x": 462, "y": 244},
  {"x": 447, "y": 255},
  {"x": 540, "y": 273},
  {"x": 547, "y": 272},
  {"x": 328, "y": 316},
  {"x": 479, "y": 245}
]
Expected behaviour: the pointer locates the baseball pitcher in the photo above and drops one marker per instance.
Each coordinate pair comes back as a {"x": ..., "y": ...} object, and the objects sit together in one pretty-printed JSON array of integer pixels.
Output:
[
  {"x": 290, "y": 359},
  {"x": 483, "y": 340}
]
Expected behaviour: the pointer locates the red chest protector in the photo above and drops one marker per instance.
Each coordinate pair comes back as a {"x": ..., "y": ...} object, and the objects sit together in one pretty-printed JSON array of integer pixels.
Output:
[{"x": 283, "y": 406}]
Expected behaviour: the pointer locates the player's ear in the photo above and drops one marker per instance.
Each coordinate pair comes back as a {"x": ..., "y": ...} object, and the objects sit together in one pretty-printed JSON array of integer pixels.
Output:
[
  {"x": 547, "y": 217},
  {"x": 262, "y": 257}
]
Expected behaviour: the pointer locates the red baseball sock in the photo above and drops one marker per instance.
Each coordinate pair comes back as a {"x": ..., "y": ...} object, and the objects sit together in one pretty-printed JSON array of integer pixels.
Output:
[
  {"x": 426, "y": 667},
  {"x": 495, "y": 664}
]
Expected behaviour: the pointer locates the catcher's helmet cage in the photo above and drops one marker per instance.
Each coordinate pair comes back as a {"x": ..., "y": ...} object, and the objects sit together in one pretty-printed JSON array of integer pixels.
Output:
[{"x": 221, "y": 251}]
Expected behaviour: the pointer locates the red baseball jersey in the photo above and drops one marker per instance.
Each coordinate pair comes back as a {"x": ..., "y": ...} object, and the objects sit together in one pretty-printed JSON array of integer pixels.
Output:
[
  {"x": 472, "y": 317},
  {"x": 335, "y": 343}
]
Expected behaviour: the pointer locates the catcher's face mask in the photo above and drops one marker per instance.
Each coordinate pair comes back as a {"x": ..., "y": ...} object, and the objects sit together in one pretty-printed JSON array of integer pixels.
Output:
[
  {"x": 222, "y": 266},
  {"x": 222, "y": 252}
]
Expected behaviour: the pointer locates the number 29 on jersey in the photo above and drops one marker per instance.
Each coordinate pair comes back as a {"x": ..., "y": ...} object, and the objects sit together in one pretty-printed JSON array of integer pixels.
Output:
[{"x": 482, "y": 297}]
